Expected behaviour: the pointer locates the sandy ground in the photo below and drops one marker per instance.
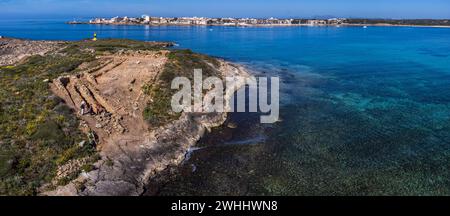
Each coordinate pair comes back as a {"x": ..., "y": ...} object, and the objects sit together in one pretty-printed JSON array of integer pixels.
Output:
[{"x": 113, "y": 90}]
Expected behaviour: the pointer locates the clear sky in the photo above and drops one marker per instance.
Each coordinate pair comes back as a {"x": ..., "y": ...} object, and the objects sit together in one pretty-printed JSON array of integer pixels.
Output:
[{"x": 226, "y": 8}]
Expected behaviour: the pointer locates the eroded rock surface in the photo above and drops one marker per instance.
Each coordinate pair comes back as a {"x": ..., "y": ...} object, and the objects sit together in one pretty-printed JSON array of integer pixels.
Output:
[
  {"x": 14, "y": 50},
  {"x": 131, "y": 152}
]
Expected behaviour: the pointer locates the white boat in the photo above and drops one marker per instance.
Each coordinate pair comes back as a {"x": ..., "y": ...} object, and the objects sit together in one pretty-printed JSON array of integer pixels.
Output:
[{"x": 364, "y": 26}]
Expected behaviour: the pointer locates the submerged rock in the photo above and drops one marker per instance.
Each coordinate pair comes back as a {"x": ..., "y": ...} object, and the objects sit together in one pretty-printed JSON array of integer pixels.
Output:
[{"x": 232, "y": 125}]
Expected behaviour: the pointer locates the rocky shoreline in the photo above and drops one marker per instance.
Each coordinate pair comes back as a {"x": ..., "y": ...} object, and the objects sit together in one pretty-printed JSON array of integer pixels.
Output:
[
  {"x": 165, "y": 147},
  {"x": 130, "y": 150},
  {"x": 13, "y": 51}
]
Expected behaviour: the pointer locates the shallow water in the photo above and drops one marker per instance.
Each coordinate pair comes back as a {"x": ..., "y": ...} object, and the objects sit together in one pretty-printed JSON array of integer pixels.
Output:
[{"x": 364, "y": 111}]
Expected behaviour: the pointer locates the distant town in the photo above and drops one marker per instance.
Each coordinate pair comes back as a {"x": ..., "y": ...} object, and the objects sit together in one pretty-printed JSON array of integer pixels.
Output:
[
  {"x": 203, "y": 21},
  {"x": 147, "y": 20}
]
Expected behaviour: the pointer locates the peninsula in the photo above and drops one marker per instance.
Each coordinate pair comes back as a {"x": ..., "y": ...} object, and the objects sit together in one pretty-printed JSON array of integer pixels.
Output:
[{"x": 94, "y": 117}]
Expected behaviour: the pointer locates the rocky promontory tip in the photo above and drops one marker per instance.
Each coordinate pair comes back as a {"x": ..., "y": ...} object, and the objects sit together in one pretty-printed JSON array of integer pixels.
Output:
[{"x": 13, "y": 50}]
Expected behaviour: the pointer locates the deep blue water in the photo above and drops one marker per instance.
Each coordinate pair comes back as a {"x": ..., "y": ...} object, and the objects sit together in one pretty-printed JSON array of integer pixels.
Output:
[{"x": 365, "y": 111}]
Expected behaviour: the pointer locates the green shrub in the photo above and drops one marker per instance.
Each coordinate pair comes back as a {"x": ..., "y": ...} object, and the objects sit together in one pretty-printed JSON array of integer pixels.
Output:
[
  {"x": 38, "y": 132},
  {"x": 180, "y": 63},
  {"x": 112, "y": 45}
]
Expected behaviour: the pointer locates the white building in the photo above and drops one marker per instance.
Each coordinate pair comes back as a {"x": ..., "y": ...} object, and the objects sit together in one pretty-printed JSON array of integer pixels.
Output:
[
  {"x": 336, "y": 21},
  {"x": 146, "y": 18},
  {"x": 317, "y": 22},
  {"x": 199, "y": 21}
]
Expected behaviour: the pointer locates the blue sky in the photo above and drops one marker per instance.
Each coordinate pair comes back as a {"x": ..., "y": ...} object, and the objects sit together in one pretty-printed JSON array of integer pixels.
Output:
[{"x": 225, "y": 8}]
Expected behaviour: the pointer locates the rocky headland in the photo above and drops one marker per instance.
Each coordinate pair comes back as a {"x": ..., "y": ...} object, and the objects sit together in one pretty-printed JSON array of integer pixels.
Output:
[{"x": 116, "y": 93}]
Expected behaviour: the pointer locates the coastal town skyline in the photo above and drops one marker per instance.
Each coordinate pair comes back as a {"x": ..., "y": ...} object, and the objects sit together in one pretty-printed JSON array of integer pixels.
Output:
[
  {"x": 415, "y": 9},
  {"x": 229, "y": 21},
  {"x": 272, "y": 21}
]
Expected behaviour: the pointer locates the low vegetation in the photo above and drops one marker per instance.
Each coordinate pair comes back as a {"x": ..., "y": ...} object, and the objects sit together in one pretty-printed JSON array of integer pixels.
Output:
[
  {"x": 180, "y": 63},
  {"x": 113, "y": 45},
  {"x": 38, "y": 132}
]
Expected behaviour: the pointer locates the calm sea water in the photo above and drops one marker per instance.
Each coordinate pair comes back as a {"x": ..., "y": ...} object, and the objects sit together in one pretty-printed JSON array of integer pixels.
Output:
[{"x": 365, "y": 111}]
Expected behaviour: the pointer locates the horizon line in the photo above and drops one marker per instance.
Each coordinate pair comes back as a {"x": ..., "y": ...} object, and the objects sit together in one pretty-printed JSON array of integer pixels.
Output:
[{"x": 236, "y": 17}]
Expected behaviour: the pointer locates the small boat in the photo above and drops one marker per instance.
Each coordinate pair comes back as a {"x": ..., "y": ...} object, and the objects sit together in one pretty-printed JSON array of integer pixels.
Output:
[{"x": 365, "y": 27}]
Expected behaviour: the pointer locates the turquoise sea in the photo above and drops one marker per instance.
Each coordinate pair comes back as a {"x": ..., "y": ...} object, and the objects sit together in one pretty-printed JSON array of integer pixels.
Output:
[{"x": 364, "y": 111}]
